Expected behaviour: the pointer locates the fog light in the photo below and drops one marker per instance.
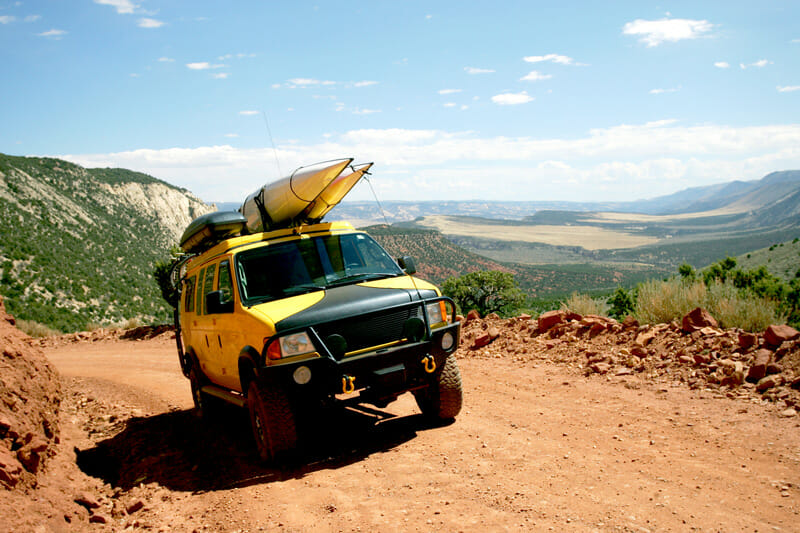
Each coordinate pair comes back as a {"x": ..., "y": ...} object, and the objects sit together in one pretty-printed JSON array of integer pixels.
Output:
[
  {"x": 302, "y": 375},
  {"x": 447, "y": 341}
]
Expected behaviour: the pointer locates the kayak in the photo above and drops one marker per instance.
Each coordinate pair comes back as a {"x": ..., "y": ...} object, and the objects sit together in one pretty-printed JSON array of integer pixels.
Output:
[
  {"x": 209, "y": 229},
  {"x": 333, "y": 193},
  {"x": 282, "y": 202}
]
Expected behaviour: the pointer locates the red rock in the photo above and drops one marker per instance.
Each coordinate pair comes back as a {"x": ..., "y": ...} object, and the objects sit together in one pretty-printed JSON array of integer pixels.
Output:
[
  {"x": 644, "y": 338},
  {"x": 31, "y": 454},
  {"x": 524, "y": 316},
  {"x": 460, "y": 318},
  {"x": 769, "y": 382},
  {"x": 473, "y": 315},
  {"x": 639, "y": 351},
  {"x": 702, "y": 358},
  {"x": 697, "y": 319},
  {"x": 98, "y": 518},
  {"x": 549, "y": 319},
  {"x": 630, "y": 322},
  {"x": 481, "y": 340},
  {"x": 775, "y": 335},
  {"x": 493, "y": 332},
  {"x": 134, "y": 506},
  {"x": 87, "y": 500},
  {"x": 747, "y": 340},
  {"x": 10, "y": 469},
  {"x": 759, "y": 367},
  {"x": 493, "y": 316},
  {"x": 601, "y": 368}
]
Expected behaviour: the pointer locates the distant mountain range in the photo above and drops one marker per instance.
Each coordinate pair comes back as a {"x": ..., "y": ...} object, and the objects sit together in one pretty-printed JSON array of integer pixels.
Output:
[{"x": 773, "y": 191}]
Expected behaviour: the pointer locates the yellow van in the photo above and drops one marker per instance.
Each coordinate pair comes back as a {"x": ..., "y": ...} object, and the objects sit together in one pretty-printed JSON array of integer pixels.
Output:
[{"x": 312, "y": 313}]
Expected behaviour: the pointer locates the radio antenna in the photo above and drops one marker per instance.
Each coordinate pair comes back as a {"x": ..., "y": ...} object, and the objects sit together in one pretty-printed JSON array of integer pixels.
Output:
[{"x": 272, "y": 141}]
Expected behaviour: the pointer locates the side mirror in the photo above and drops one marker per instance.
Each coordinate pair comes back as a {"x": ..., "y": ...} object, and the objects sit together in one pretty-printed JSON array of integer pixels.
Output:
[
  {"x": 215, "y": 305},
  {"x": 407, "y": 263}
]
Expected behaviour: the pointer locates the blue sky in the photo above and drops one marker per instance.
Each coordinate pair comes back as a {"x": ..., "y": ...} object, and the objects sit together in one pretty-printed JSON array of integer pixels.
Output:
[{"x": 452, "y": 100}]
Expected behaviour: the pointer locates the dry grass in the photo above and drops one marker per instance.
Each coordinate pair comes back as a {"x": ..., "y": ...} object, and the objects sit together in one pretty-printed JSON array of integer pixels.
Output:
[
  {"x": 664, "y": 301},
  {"x": 587, "y": 237},
  {"x": 585, "y": 305},
  {"x": 36, "y": 330}
]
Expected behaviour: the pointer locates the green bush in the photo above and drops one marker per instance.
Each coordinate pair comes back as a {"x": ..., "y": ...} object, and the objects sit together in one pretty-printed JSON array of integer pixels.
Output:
[{"x": 487, "y": 291}]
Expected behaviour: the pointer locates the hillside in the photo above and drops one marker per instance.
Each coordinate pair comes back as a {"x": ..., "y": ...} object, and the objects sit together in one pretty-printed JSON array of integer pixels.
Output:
[{"x": 78, "y": 245}]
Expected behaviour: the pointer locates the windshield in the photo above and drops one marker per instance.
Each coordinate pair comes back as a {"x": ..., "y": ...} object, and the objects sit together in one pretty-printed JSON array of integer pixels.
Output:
[{"x": 303, "y": 265}]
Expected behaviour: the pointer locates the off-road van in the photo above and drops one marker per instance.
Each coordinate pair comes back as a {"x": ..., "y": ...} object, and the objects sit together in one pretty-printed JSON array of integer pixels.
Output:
[{"x": 305, "y": 315}]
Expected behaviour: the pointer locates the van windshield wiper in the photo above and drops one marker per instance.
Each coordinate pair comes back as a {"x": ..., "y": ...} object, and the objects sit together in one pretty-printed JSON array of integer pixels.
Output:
[
  {"x": 294, "y": 290},
  {"x": 355, "y": 278}
]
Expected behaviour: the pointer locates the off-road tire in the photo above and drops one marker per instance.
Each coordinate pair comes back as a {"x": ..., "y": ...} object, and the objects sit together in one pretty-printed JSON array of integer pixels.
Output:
[
  {"x": 442, "y": 399},
  {"x": 205, "y": 406},
  {"x": 272, "y": 420}
]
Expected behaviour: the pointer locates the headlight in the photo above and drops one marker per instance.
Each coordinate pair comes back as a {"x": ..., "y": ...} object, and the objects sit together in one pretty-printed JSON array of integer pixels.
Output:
[
  {"x": 290, "y": 345},
  {"x": 437, "y": 314}
]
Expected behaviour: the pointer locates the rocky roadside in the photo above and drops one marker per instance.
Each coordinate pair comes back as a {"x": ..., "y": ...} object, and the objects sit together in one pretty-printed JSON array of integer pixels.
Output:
[{"x": 762, "y": 367}]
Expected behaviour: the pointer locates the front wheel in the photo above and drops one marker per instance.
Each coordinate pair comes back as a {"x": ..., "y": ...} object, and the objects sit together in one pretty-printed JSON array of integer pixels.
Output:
[
  {"x": 272, "y": 420},
  {"x": 442, "y": 399}
]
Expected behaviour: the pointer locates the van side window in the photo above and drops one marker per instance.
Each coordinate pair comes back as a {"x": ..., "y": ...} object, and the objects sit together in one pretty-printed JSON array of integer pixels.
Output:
[
  {"x": 225, "y": 283},
  {"x": 208, "y": 285},
  {"x": 188, "y": 289}
]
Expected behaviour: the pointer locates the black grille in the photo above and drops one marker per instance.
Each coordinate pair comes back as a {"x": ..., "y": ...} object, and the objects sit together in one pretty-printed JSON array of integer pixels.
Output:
[{"x": 369, "y": 330}]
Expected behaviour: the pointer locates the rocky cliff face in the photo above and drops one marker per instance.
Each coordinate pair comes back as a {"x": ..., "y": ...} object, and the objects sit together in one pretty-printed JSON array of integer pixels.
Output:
[{"x": 78, "y": 245}]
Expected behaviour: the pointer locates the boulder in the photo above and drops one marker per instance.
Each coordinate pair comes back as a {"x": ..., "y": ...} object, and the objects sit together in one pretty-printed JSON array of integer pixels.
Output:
[
  {"x": 747, "y": 340},
  {"x": 550, "y": 319},
  {"x": 698, "y": 319},
  {"x": 776, "y": 335},
  {"x": 758, "y": 369},
  {"x": 769, "y": 382},
  {"x": 473, "y": 315},
  {"x": 630, "y": 322}
]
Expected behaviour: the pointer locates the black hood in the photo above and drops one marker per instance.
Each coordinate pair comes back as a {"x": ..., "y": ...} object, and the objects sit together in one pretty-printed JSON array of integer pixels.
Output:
[{"x": 350, "y": 301}]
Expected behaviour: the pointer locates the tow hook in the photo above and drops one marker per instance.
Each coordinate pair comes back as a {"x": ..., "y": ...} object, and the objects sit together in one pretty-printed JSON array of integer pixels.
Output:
[
  {"x": 348, "y": 384},
  {"x": 429, "y": 363}
]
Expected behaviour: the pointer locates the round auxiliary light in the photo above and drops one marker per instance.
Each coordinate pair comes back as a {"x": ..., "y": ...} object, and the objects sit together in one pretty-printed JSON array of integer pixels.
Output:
[
  {"x": 447, "y": 341},
  {"x": 302, "y": 375}
]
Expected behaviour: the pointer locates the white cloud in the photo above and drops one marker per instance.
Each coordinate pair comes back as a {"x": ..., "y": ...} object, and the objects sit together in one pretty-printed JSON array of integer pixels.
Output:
[
  {"x": 663, "y": 91},
  {"x": 123, "y": 7},
  {"x": 221, "y": 75},
  {"x": 475, "y": 70},
  {"x": 449, "y": 104},
  {"x": 535, "y": 75},
  {"x": 623, "y": 162},
  {"x": 761, "y": 63},
  {"x": 249, "y": 112},
  {"x": 32, "y": 18},
  {"x": 365, "y": 83},
  {"x": 512, "y": 98},
  {"x": 52, "y": 34},
  {"x": 721, "y": 64},
  {"x": 358, "y": 111},
  {"x": 655, "y": 32},
  {"x": 7, "y": 19},
  {"x": 449, "y": 91},
  {"x": 788, "y": 88},
  {"x": 166, "y": 60},
  {"x": 203, "y": 65},
  {"x": 553, "y": 58},
  {"x": 149, "y": 23},
  {"x": 232, "y": 135}
]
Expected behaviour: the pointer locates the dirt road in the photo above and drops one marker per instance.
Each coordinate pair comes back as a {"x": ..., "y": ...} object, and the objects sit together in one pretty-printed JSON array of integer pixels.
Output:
[{"x": 537, "y": 447}]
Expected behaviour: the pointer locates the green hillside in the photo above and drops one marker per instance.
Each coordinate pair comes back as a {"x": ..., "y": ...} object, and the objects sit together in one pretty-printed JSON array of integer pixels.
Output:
[
  {"x": 781, "y": 259},
  {"x": 78, "y": 245}
]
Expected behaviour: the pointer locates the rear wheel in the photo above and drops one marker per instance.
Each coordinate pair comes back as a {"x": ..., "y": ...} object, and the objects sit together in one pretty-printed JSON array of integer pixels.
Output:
[
  {"x": 205, "y": 406},
  {"x": 272, "y": 420},
  {"x": 442, "y": 399}
]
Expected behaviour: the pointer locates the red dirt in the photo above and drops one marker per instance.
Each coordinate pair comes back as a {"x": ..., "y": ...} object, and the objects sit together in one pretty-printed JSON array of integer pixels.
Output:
[{"x": 547, "y": 440}]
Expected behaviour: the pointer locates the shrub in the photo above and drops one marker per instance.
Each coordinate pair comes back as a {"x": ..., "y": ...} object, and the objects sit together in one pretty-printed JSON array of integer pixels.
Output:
[
  {"x": 734, "y": 308},
  {"x": 583, "y": 304},
  {"x": 622, "y": 303},
  {"x": 35, "y": 329},
  {"x": 664, "y": 301},
  {"x": 486, "y": 291}
]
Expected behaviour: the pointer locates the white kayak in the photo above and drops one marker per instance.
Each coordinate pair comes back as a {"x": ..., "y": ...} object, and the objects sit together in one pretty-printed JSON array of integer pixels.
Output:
[
  {"x": 334, "y": 192},
  {"x": 279, "y": 203}
]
